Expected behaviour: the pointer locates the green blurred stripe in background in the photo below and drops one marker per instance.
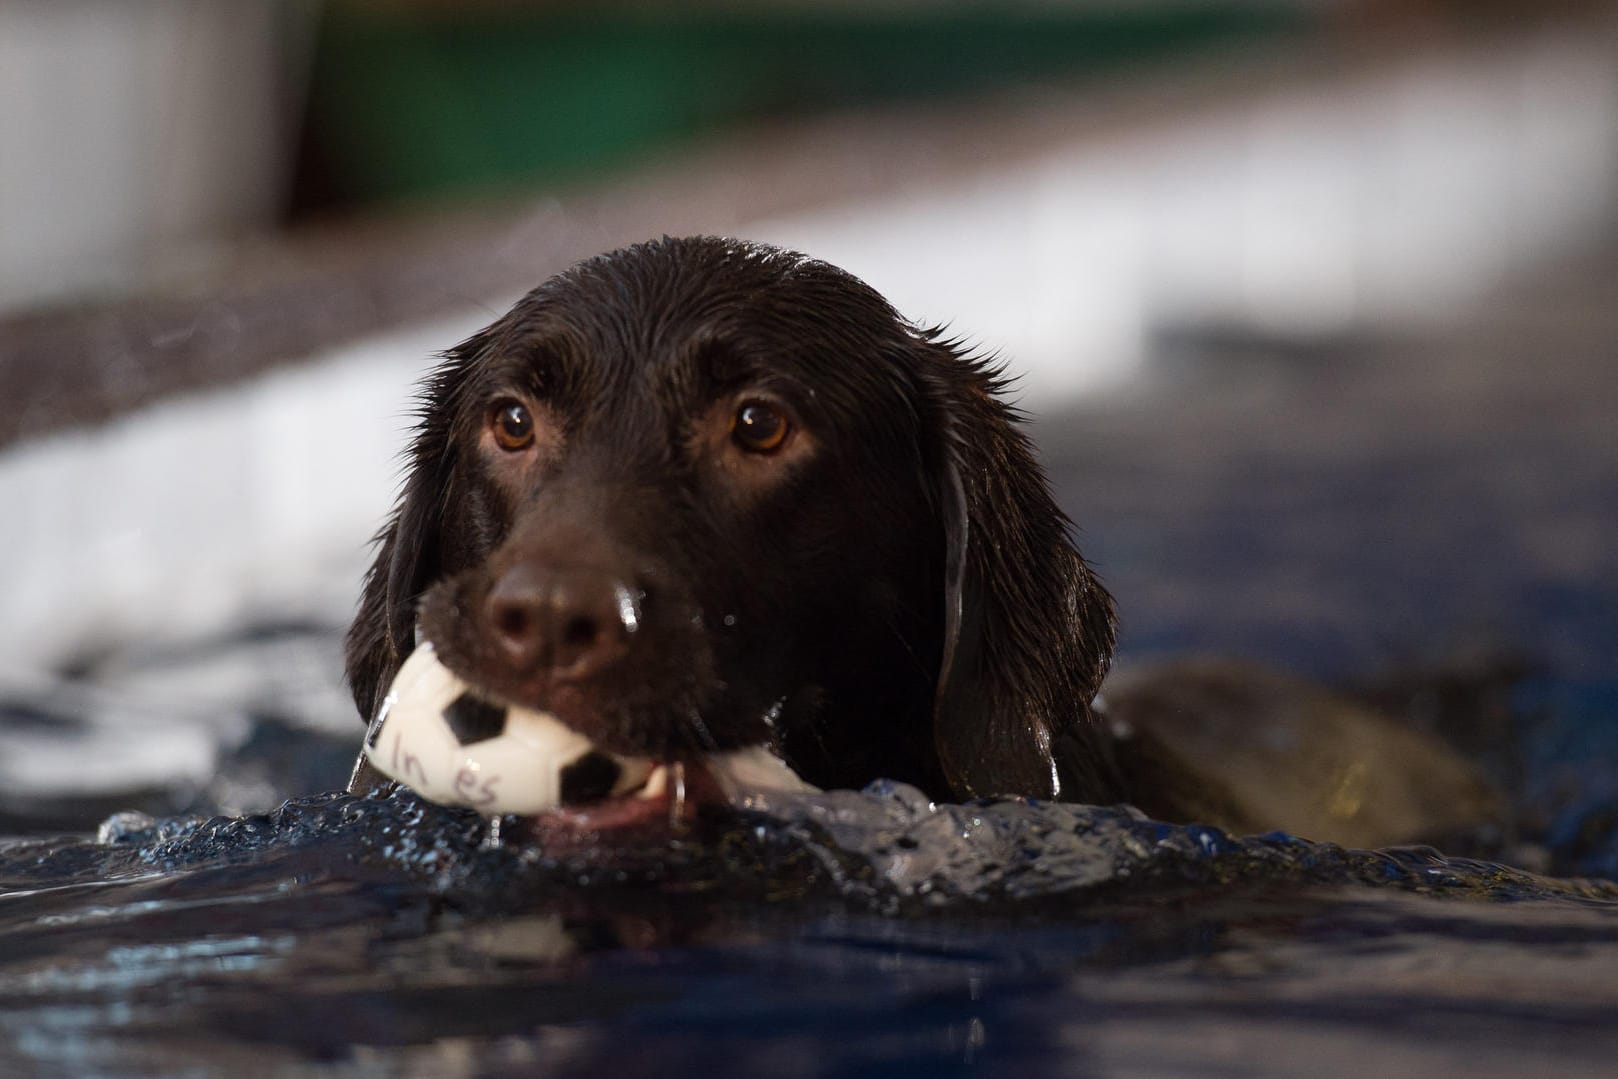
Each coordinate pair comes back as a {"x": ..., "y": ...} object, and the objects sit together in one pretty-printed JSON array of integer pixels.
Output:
[{"x": 411, "y": 102}]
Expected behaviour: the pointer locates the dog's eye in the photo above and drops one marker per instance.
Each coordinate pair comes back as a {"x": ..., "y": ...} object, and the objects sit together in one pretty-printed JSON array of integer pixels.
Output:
[
  {"x": 513, "y": 425},
  {"x": 759, "y": 428}
]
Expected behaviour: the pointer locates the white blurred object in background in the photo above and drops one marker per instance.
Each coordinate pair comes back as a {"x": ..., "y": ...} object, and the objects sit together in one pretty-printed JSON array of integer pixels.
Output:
[
  {"x": 132, "y": 127},
  {"x": 1386, "y": 200}
]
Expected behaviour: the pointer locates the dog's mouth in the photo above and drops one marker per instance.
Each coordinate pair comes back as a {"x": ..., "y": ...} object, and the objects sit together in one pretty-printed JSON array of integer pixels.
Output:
[
  {"x": 673, "y": 796},
  {"x": 453, "y": 744}
]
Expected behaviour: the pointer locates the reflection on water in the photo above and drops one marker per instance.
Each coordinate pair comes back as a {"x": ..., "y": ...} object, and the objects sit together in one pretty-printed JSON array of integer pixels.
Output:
[{"x": 834, "y": 934}]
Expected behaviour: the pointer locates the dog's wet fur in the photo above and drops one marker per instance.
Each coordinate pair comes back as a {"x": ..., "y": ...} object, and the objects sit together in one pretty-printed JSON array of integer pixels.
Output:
[
  {"x": 697, "y": 495},
  {"x": 889, "y": 592}
]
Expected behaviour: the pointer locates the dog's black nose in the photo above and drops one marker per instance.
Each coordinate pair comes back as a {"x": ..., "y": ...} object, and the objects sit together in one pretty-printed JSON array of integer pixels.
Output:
[{"x": 568, "y": 622}]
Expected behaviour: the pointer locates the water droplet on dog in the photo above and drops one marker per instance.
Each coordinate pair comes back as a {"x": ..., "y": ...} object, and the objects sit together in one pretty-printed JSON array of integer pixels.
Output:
[{"x": 628, "y": 609}]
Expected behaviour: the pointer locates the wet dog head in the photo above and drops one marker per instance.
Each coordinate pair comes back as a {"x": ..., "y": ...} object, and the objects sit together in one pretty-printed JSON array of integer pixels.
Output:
[{"x": 699, "y": 494}]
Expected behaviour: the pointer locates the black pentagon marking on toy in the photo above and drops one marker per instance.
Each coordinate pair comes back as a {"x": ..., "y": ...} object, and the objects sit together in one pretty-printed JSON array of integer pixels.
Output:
[
  {"x": 589, "y": 779},
  {"x": 473, "y": 719}
]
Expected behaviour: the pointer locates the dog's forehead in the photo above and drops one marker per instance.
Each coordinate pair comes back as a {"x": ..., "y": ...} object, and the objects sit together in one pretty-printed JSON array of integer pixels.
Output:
[
  {"x": 677, "y": 318},
  {"x": 680, "y": 288}
]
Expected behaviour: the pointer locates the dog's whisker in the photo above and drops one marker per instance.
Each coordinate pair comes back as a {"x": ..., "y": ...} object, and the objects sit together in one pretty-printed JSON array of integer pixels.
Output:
[
  {"x": 704, "y": 735},
  {"x": 677, "y": 796},
  {"x": 890, "y": 623}
]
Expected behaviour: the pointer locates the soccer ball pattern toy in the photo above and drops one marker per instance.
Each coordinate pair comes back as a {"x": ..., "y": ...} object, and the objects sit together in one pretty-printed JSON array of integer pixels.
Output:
[
  {"x": 442, "y": 740},
  {"x": 439, "y": 737}
]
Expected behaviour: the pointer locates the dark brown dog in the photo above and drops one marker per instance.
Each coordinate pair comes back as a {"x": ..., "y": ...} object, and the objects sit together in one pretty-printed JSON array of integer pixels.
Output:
[{"x": 701, "y": 494}]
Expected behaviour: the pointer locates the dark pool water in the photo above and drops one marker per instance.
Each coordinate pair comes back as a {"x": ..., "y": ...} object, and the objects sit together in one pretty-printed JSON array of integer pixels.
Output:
[{"x": 859, "y": 933}]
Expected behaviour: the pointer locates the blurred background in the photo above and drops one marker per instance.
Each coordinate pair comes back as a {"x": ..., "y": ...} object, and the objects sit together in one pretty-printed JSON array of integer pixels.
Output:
[{"x": 1313, "y": 303}]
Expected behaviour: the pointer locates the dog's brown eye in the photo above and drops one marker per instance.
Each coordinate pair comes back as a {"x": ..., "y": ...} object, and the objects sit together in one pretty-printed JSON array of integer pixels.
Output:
[
  {"x": 513, "y": 426},
  {"x": 759, "y": 428}
]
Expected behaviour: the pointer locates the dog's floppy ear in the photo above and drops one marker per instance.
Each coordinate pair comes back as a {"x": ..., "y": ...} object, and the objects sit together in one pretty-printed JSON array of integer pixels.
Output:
[
  {"x": 408, "y": 549},
  {"x": 383, "y": 632},
  {"x": 1029, "y": 630}
]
